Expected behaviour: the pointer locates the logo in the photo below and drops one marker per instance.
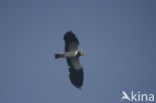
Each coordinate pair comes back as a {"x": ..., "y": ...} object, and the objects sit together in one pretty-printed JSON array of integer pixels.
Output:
[{"x": 137, "y": 96}]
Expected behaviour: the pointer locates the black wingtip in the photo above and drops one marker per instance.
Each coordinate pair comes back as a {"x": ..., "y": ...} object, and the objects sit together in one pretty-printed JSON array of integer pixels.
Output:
[
  {"x": 68, "y": 34},
  {"x": 79, "y": 87},
  {"x": 70, "y": 37},
  {"x": 76, "y": 77}
]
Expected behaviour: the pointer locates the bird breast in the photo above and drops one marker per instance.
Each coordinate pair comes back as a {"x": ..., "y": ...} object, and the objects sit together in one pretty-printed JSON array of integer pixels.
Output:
[{"x": 71, "y": 54}]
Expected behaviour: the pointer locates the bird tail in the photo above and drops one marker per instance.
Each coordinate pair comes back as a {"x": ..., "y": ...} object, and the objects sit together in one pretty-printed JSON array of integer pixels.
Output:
[{"x": 59, "y": 56}]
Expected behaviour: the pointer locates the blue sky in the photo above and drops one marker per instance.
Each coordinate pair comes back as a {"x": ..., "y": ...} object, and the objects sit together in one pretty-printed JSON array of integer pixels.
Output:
[{"x": 118, "y": 36}]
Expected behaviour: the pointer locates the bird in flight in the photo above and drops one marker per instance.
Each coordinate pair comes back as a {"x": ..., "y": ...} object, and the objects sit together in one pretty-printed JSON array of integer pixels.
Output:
[{"x": 72, "y": 55}]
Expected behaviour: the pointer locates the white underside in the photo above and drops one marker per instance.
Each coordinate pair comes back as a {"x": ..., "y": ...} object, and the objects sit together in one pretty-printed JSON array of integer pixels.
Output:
[
  {"x": 76, "y": 63},
  {"x": 70, "y": 54},
  {"x": 74, "y": 59}
]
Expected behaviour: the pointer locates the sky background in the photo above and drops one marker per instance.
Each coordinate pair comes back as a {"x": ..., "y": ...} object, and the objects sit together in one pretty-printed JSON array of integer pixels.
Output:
[{"x": 119, "y": 37}]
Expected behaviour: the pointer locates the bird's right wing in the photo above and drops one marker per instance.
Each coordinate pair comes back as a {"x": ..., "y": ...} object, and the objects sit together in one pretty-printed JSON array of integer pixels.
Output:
[
  {"x": 76, "y": 72},
  {"x": 71, "y": 42}
]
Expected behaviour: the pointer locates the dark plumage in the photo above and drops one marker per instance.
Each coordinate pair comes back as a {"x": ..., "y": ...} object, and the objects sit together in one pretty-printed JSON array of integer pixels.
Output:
[
  {"x": 76, "y": 77},
  {"x": 69, "y": 38},
  {"x": 72, "y": 55}
]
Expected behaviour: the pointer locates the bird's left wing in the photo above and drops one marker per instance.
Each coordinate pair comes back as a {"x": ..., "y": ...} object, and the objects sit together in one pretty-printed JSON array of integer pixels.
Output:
[{"x": 76, "y": 72}]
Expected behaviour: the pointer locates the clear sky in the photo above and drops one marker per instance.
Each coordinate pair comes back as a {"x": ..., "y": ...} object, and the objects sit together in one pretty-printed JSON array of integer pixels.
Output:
[{"x": 119, "y": 37}]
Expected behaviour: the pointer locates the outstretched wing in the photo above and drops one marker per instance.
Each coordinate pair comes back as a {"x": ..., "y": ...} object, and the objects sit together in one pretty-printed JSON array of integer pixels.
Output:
[
  {"x": 71, "y": 42},
  {"x": 76, "y": 72}
]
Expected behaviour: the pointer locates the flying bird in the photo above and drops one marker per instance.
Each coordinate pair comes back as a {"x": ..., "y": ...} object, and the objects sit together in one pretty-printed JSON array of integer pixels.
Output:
[{"x": 72, "y": 55}]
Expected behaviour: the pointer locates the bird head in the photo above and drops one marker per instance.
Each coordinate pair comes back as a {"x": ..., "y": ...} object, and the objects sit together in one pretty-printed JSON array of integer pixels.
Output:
[{"x": 82, "y": 53}]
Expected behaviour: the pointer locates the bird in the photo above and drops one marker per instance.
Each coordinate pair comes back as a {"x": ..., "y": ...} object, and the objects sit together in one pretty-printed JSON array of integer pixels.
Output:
[
  {"x": 72, "y": 55},
  {"x": 125, "y": 96}
]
